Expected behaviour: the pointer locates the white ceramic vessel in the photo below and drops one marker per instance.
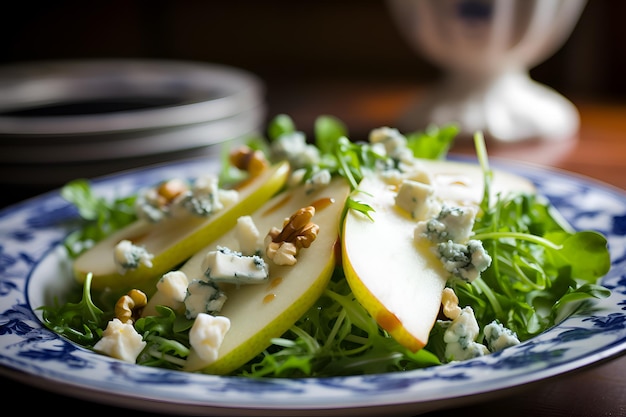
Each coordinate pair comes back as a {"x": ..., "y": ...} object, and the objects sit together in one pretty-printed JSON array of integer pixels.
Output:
[{"x": 485, "y": 48}]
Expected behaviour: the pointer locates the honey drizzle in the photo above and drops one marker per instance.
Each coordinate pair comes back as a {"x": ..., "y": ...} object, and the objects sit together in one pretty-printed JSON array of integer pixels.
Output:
[
  {"x": 322, "y": 203},
  {"x": 269, "y": 298},
  {"x": 275, "y": 282}
]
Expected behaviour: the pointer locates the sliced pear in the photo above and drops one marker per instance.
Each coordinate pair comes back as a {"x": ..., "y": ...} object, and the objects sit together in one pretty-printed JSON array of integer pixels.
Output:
[
  {"x": 173, "y": 240},
  {"x": 261, "y": 312},
  {"x": 398, "y": 281},
  {"x": 461, "y": 183}
]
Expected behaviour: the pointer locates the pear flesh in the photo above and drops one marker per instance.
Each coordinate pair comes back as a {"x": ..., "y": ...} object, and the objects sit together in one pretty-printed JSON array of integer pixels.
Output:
[
  {"x": 260, "y": 312},
  {"x": 397, "y": 280},
  {"x": 172, "y": 240}
]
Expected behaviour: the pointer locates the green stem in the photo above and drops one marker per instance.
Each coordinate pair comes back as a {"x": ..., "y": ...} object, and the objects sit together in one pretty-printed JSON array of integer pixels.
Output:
[
  {"x": 335, "y": 329},
  {"x": 340, "y": 155},
  {"x": 482, "y": 285},
  {"x": 519, "y": 236},
  {"x": 481, "y": 153}
]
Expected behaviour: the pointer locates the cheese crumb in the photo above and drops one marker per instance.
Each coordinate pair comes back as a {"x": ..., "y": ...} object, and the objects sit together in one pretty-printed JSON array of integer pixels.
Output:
[
  {"x": 173, "y": 285},
  {"x": 203, "y": 297},
  {"x": 129, "y": 256},
  {"x": 416, "y": 198},
  {"x": 248, "y": 236},
  {"x": 461, "y": 333},
  {"x": 225, "y": 265},
  {"x": 207, "y": 334},
  {"x": 120, "y": 341}
]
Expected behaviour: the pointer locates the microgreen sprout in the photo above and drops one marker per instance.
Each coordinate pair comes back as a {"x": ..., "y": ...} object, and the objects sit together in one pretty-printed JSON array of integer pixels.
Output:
[
  {"x": 337, "y": 336},
  {"x": 167, "y": 339},
  {"x": 540, "y": 266}
]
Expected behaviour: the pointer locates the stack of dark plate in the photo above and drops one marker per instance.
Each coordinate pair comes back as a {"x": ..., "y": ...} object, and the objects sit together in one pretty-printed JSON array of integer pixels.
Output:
[{"x": 62, "y": 120}]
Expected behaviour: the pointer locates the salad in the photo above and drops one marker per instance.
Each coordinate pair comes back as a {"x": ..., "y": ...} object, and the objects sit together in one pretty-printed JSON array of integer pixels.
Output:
[{"x": 323, "y": 257}]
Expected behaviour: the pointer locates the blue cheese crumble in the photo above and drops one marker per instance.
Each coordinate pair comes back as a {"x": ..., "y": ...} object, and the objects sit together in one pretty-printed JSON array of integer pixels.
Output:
[
  {"x": 127, "y": 256},
  {"x": 415, "y": 198},
  {"x": 229, "y": 266},
  {"x": 464, "y": 261},
  {"x": 319, "y": 179},
  {"x": 176, "y": 198},
  {"x": 451, "y": 230},
  {"x": 203, "y": 297},
  {"x": 499, "y": 337},
  {"x": 452, "y": 223},
  {"x": 462, "y": 331},
  {"x": 173, "y": 285},
  {"x": 394, "y": 144},
  {"x": 205, "y": 197},
  {"x": 294, "y": 148}
]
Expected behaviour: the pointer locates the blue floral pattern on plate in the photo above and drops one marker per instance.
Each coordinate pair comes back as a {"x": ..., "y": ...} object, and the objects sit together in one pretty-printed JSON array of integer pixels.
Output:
[{"x": 31, "y": 233}]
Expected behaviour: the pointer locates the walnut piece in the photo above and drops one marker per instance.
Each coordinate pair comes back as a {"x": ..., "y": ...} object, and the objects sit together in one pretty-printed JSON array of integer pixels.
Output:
[
  {"x": 450, "y": 303},
  {"x": 248, "y": 159},
  {"x": 282, "y": 246},
  {"x": 168, "y": 190},
  {"x": 128, "y": 307}
]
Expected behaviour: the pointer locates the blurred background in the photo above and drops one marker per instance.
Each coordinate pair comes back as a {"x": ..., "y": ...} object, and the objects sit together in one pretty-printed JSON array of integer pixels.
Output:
[
  {"x": 294, "y": 46},
  {"x": 346, "y": 58}
]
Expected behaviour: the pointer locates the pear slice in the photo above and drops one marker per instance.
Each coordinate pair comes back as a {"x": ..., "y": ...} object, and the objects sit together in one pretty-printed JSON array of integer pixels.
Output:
[
  {"x": 173, "y": 240},
  {"x": 260, "y": 312},
  {"x": 397, "y": 280}
]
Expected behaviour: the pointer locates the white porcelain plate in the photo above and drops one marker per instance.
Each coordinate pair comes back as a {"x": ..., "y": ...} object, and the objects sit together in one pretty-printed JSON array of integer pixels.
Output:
[{"x": 32, "y": 268}]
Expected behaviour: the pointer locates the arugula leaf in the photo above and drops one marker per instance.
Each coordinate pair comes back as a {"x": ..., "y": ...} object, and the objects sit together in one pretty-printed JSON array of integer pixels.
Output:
[
  {"x": 101, "y": 217},
  {"x": 585, "y": 252},
  {"x": 80, "y": 322},
  {"x": 358, "y": 206},
  {"x": 167, "y": 337},
  {"x": 540, "y": 266},
  {"x": 280, "y": 125},
  {"x": 434, "y": 142},
  {"x": 328, "y": 131}
]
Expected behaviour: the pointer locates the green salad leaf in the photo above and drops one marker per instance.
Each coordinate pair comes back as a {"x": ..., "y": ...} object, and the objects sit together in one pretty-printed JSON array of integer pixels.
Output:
[
  {"x": 540, "y": 265},
  {"x": 434, "y": 142},
  {"x": 167, "y": 338},
  {"x": 100, "y": 216},
  {"x": 281, "y": 124},
  {"x": 80, "y": 322}
]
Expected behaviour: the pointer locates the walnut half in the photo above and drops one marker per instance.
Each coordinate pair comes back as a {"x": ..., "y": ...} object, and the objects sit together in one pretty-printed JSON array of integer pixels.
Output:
[
  {"x": 282, "y": 246},
  {"x": 248, "y": 159},
  {"x": 128, "y": 307}
]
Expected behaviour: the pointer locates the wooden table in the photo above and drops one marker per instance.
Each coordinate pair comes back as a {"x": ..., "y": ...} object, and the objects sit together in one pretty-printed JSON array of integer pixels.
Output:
[{"x": 598, "y": 152}]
